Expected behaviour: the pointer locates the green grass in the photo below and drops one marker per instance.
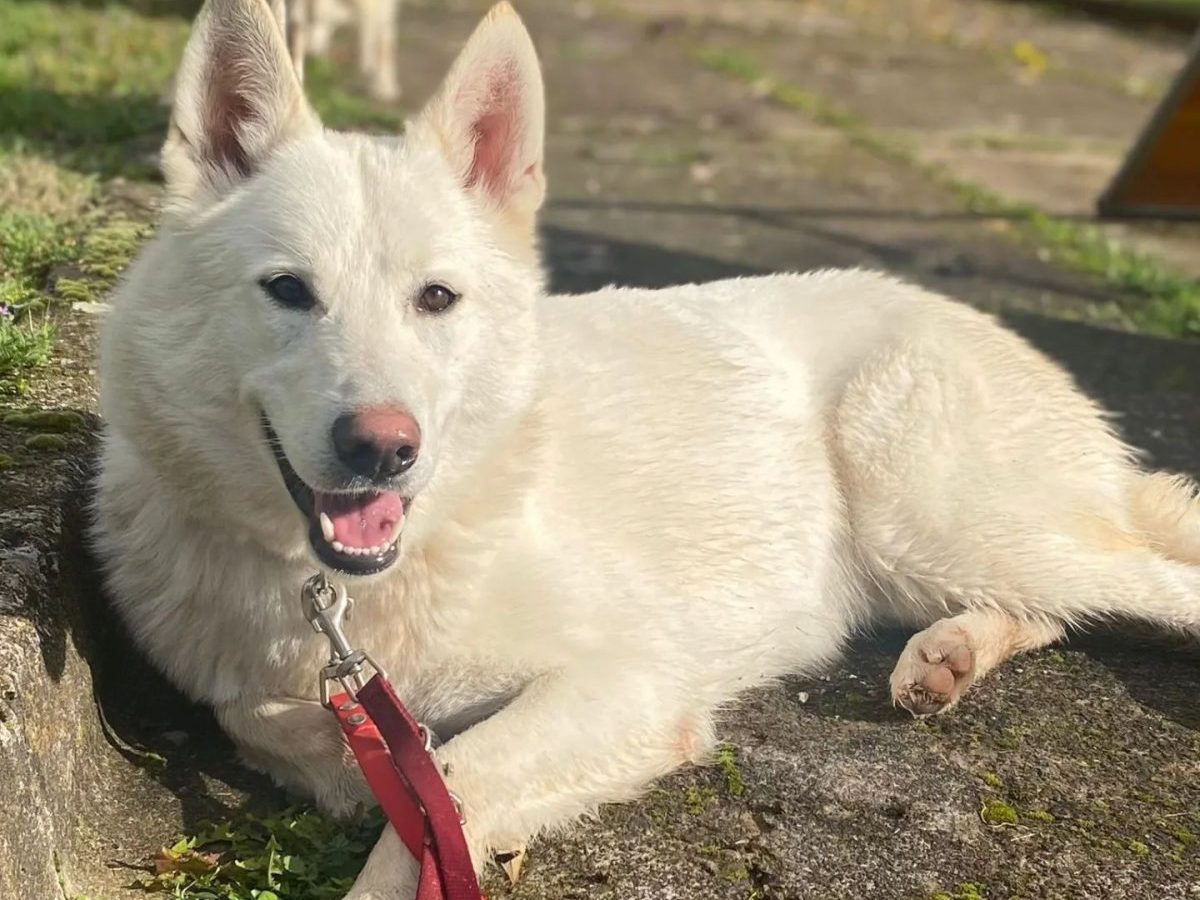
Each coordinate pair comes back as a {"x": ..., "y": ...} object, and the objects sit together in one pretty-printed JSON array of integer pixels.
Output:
[
  {"x": 24, "y": 347},
  {"x": 1154, "y": 299},
  {"x": 297, "y": 854},
  {"x": 82, "y": 85}
]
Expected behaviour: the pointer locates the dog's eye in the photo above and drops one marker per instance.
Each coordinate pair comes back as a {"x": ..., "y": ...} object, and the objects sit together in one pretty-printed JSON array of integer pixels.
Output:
[
  {"x": 436, "y": 298},
  {"x": 288, "y": 290}
]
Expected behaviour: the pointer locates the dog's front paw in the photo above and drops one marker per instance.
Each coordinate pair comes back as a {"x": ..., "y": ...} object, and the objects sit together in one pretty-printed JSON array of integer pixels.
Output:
[
  {"x": 391, "y": 873},
  {"x": 934, "y": 671}
]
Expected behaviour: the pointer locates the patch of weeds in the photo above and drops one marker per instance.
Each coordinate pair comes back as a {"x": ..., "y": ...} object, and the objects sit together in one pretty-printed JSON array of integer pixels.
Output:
[
  {"x": 154, "y": 763},
  {"x": 1169, "y": 303},
  {"x": 816, "y": 107},
  {"x": 30, "y": 245},
  {"x": 24, "y": 346},
  {"x": 727, "y": 762},
  {"x": 33, "y": 246},
  {"x": 997, "y": 812},
  {"x": 298, "y": 853}
]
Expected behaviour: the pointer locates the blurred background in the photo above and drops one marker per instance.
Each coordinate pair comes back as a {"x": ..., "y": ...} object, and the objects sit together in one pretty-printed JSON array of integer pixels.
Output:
[{"x": 961, "y": 142}]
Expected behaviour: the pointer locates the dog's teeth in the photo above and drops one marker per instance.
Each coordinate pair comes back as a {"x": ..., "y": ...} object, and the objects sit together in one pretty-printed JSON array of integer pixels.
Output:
[
  {"x": 338, "y": 546},
  {"x": 327, "y": 528}
]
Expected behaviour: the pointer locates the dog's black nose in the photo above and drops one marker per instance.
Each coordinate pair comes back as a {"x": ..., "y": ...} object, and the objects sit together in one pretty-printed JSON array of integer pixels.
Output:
[{"x": 378, "y": 442}]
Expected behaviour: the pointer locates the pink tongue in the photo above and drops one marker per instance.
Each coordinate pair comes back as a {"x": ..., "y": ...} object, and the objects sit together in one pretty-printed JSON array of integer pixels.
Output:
[{"x": 361, "y": 520}]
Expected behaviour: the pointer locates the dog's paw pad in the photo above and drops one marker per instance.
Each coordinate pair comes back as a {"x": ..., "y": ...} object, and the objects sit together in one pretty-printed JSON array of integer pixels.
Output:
[{"x": 932, "y": 673}]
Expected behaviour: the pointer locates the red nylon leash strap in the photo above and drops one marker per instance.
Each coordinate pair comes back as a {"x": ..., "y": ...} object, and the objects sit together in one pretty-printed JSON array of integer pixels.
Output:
[{"x": 391, "y": 751}]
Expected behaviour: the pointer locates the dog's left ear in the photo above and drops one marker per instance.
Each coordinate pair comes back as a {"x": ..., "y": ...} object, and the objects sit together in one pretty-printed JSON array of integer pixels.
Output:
[{"x": 489, "y": 117}]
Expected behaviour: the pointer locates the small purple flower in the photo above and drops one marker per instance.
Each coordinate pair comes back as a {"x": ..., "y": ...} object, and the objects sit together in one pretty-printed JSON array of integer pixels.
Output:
[{"x": 6, "y": 311}]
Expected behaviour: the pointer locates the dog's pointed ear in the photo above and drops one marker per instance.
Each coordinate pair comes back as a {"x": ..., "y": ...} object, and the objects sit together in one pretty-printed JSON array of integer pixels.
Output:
[
  {"x": 237, "y": 98},
  {"x": 489, "y": 115}
]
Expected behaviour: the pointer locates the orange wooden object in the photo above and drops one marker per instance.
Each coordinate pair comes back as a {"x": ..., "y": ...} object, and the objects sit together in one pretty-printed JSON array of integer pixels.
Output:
[{"x": 1161, "y": 175}]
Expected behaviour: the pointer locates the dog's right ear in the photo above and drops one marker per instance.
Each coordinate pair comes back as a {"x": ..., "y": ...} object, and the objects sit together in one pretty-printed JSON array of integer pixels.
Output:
[
  {"x": 488, "y": 117},
  {"x": 237, "y": 98}
]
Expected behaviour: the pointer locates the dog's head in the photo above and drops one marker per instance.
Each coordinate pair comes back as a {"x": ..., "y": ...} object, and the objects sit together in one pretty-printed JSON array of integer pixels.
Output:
[{"x": 328, "y": 323}]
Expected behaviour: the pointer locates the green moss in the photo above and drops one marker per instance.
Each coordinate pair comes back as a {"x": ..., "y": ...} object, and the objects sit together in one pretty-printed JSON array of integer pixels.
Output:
[
  {"x": 727, "y": 762},
  {"x": 74, "y": 290},
  {"x": 966, "y": 891},
  {"x": 1040, "y": 815},
  {"x": 6, "y": 462},
  {"x": 1009, "y": 739},
  {"x": 1137, "y": 848},
  {"x": 696, "y": 800},
  {"x": 46, "y": 443},
  {"x": 991, "y": 779},
  {"x": 1183, "y": 835},
  {"x": 997, "y": 812},
  {"x": 736, "y": 873},
  {"x": 109, "y": 247},
  {"x": 58, "y": 421}
]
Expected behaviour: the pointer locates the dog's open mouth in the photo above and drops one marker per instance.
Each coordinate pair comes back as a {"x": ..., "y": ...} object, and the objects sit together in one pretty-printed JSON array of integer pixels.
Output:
[{"x": 354, "y": 533}]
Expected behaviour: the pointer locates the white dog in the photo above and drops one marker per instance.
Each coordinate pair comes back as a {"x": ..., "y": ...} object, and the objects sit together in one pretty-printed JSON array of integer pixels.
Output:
[
  {"x": 579, "y": 524},
  {"x": 310, "y": 25}
]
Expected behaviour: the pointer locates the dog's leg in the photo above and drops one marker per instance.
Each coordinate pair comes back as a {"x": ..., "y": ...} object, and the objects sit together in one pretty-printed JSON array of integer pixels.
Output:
[
  {"x": 377, "y": 46},
  {"x": 986, "y": 484},
  {"x": 391, "y": 872},
  {"x": 300, "y": 744},
  {"x": 558, "y": 751},
  {"x": 940, "y": 663},
  {"x": 298, "y": 22},
  {"x": 325, "y": 17}
]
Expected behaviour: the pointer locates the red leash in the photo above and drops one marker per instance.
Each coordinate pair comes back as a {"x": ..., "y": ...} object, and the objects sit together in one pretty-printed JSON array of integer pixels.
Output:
[{"x": 394, "y": 752}]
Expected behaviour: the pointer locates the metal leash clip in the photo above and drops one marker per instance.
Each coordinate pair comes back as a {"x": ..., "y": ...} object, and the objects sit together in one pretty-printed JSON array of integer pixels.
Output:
[{"x": 325, "y": 607}]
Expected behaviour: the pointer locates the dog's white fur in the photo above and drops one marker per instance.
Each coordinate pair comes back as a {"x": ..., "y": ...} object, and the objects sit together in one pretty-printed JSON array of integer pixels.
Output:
[
  {"x": 629, "y": 506},
  {"x": 310, "y": 26}
]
